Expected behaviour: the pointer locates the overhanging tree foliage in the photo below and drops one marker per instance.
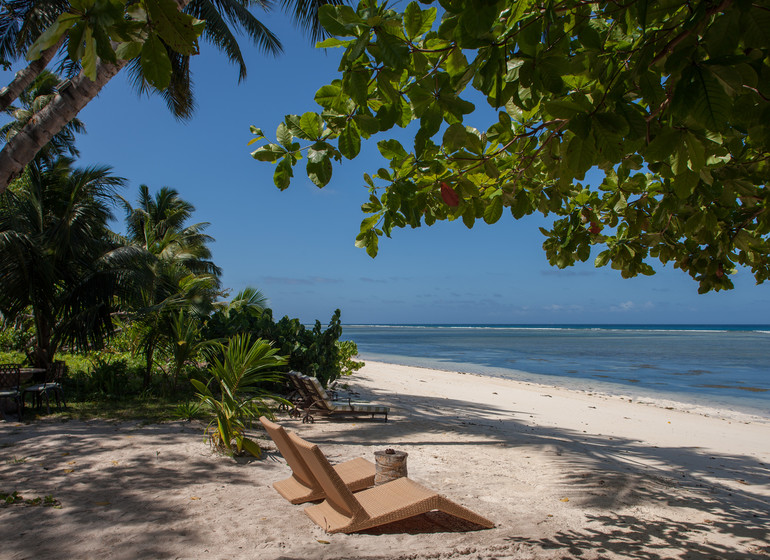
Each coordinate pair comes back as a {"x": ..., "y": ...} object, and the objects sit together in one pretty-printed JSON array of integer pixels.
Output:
[
  {"x": 668, "y": 100},
  {"x": 155, "y": 37}
]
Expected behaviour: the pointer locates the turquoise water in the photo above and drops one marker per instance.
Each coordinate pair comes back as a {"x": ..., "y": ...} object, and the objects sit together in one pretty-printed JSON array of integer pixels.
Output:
[{"x": 723, "y": 365}]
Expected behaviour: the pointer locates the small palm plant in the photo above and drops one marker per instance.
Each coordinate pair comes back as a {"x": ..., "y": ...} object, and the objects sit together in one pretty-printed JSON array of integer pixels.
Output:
[{"x": 241, "y": 369}]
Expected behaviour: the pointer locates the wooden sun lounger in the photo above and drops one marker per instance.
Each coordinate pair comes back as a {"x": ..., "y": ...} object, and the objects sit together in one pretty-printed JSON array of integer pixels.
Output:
[
  {"x": 322, "y": 403},
  {"x": 343, "y": 511},
  {"x": 302, "y": 486}
]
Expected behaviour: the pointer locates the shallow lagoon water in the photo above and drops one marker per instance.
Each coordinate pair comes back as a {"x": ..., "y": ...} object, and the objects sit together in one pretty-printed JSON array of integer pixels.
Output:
[{"x": 714, "y": 365}]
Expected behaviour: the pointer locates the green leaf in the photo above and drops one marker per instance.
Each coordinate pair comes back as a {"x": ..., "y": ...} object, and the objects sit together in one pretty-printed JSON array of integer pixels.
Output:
[
  {"x": 412, "y": 20},
  {"x": 320, "y": 172},
  {"x": 709, "y": 104},
  {"x": 283, "y": 174},
  {"x": 331, "y": 97},
  {"x": 156, "y": 66},
  {"x": 338, "y": 20},
  {"x": 89, "y": 55},
  {"x": 270, "y": 153},
  {"x": 392, "y": 51},
  {"x": 52, "y": 35},
  {"x": 178, "y": 30},
  {"x": 284, "y": 135},
  {"x": 350, "y": 141},
  {"x": 391, "y": 149},
  {"x": 311, "y": 124},
  {"x": 493, "y": 210},
  {"x": 356, "y": 85},
  {"x": 129, "y": 51},
  {"x": 580, "y": 155}
]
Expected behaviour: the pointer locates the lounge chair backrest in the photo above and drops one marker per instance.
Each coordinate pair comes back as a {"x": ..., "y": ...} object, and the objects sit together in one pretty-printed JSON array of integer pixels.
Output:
[
  {"x": 296, "y": 463},
  {"x": 295, "y": 379},
  {"x": 338, "y": 495},
  {"x": 321, "y": 397}
]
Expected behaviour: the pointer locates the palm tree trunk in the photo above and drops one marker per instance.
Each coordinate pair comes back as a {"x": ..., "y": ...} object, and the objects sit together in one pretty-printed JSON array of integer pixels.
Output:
[
  {"x": 65, "y": 106},
  {"x": 22, "y": 148},
  {"x": 26, "y": 76}
]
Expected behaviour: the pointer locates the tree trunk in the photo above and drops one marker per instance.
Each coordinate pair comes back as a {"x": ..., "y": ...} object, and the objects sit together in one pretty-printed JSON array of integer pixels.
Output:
[
  {"x": 149, "y": 350},
  {"x": 41, "y": 354},
  {"x": 64, "y": 107},
  {"x": 26, "y": 76}
]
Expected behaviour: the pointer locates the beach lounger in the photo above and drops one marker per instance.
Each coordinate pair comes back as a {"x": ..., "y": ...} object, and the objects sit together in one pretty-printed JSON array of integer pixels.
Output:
[
  {"x": 302, "y": 486},
  {"x": 344, "y": 511},
  {"x": 322, "y": 403}
]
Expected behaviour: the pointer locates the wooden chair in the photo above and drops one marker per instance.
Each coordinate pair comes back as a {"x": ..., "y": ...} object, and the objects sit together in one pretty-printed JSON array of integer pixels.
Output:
[
  {"x": 346, "y": 512},
  {"x": 302, "y": 486},
  {"x": 10, "y": 381},
  {"x": 323, "y": 404}
]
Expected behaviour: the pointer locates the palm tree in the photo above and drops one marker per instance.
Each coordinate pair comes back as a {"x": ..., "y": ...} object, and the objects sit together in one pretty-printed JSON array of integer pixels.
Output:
[
  {"x": 80, "y": 90},
  {"x": 32, "y": 100},
  {"x": 59, "y": 262},
  {"x": 21, "y": 22},
  {"x": 182, "y": 275}
]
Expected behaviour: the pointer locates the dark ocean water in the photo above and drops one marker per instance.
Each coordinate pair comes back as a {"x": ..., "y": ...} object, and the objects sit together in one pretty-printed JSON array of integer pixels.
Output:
[{"x": 723, "y": 365}]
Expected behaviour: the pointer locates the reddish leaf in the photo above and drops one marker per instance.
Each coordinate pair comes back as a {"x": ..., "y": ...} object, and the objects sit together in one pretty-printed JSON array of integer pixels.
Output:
[{"x": 449, "y": 195}]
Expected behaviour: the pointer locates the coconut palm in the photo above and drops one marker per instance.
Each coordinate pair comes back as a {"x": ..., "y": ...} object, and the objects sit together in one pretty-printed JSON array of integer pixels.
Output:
[
  {"x": 182, "y": 275},
  {"x": 80, "y": 90},
  {"x": 21, "y": 23},
  {"x": 60, "y": 264},
  {"x": 31, "y": 101}
]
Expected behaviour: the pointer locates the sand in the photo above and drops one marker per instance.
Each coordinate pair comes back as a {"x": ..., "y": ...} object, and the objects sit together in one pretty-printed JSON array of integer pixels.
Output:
[{"x": 564, "y": 474}]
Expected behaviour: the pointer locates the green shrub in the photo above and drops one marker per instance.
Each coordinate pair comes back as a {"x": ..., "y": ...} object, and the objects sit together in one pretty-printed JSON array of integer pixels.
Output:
[{"x": 315, "y": 351}]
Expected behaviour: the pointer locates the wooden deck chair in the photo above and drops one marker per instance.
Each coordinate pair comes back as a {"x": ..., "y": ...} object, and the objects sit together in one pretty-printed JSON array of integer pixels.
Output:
[
  {"x": 346, "y": 512},
  {"x": 302, "y": 486},
  {"x": 322, "y": 403}
]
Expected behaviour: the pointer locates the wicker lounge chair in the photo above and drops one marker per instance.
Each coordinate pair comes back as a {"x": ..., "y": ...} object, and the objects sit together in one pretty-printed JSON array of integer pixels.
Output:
[
  {"x": 343, "y": 511},
  {"x": 322, "y": 403},
  {"x": 302, "y": 486}
]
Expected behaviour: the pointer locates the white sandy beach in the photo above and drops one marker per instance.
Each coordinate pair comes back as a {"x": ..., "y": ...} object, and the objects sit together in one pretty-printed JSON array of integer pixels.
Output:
[{"x": 564, "y": 474}]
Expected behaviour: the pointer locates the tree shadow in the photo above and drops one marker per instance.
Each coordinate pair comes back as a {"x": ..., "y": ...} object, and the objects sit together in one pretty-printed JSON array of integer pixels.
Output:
[
  {"x": 108, "y": 496},
  {"x": 598, "y": 474}
]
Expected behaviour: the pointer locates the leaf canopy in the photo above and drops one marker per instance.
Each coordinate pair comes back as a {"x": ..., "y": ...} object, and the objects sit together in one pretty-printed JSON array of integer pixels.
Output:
[{"x": 667, "y": 102}]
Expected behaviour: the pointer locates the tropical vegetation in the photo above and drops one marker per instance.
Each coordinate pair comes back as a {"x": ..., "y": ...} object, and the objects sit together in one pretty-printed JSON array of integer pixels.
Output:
[
  {"x": 665, "y": 103},
  {"x": 130, "y": 311},
  {"x": 153, "y": 38},
  {"x": 240, "y": 372}
]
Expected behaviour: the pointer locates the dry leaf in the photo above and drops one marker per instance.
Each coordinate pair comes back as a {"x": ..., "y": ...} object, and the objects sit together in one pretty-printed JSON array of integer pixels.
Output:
[
  {"x": 65, "y": 454},
  {"x": 71, "y": 462},
  {"x": 195, "y": 498},
  {"x": 323, "y": 542},
  {"x": 69, "y": 470},
  {"x": 565, "y": 499},
  {"x": 115, "y": 463}
]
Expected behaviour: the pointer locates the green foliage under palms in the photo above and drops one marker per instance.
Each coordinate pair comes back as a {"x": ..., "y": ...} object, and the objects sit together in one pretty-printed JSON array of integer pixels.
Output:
[
  {"x": 61, "y": 266},
  {"x": 183, "y": 278},
  {"x": 240, "y": 371}
]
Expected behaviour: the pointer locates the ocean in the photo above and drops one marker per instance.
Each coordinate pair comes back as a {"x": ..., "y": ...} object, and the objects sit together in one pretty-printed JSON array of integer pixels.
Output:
[{"x": 726, "y": 366}]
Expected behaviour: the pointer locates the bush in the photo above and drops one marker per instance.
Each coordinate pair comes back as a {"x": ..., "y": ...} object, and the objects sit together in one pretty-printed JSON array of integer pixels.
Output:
[{"x": 315, "y": 351}]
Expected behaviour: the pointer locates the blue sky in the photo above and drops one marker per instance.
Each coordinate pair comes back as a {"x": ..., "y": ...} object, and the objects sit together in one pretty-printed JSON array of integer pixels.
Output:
[{"x": 297, "y": 246}]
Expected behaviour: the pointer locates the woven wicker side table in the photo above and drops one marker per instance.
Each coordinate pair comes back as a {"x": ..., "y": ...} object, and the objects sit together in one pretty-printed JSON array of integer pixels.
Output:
[{"x": 389, "y": 465}]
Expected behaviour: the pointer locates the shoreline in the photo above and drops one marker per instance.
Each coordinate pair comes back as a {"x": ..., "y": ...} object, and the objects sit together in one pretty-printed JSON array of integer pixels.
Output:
[
  {"x": 563, "y": 474},
  {"x": 702, "y": 403}
]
